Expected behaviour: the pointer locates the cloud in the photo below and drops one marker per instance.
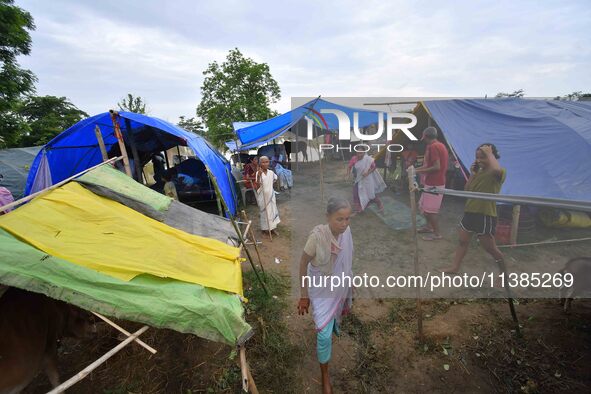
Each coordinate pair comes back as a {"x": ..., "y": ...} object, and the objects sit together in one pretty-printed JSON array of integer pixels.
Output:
[{"x": 96, "y": 52}]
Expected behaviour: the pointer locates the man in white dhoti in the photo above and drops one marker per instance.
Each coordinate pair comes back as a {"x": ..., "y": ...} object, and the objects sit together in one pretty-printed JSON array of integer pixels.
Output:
[{"x": 269, "y": 214}]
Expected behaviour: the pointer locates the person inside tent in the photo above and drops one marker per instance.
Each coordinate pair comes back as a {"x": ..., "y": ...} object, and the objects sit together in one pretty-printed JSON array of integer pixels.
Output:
[
  {"x": 265, "y": 194},
  {"x": 285, "y": 176},
  {"x": 169, "y": 186},
  {"x": 368, "y": 183},
  {"x": 250, "y": 172},
  {"x": 328, "y": 252}
]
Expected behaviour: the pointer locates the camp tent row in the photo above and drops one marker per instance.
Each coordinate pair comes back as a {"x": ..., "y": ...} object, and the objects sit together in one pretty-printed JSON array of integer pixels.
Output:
[
  {"x": 545, "y": 144},
  {"x": 77, "y": 149},
  {"x": 110, "y": 245}
]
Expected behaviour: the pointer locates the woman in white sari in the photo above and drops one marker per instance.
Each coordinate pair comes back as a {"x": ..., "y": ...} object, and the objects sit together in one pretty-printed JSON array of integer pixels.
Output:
[
  {"x": 368, "y": 182},
  {"x": 328, "y": 252},
  {"x": 265, "y": 194}
]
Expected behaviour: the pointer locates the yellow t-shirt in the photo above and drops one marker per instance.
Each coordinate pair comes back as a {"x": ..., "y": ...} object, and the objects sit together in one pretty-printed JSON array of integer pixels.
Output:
[{"x": 485, "y": 182}]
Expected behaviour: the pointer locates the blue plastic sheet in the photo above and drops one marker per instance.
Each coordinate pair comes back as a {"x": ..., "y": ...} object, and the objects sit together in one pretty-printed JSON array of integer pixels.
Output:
[
  {"x": 253, "y": 134},
  {"x": 76, "y": 149},
  {"x": 544, "y": 145}
]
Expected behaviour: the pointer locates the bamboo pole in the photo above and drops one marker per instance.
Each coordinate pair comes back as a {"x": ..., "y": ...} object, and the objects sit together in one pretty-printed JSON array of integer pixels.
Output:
[
  {"x": 503, "y": 269},
  {"x": 246, "y": 230},
  {"x": 546, "y": 242},
  {"x": 32, "y": 196},
  {"x": 236, "y": 229},
  {"x": 101, "y": 142},
  {"x": 515, "y": 223},
  {"x": 82, "y": 374},
  {"x": 412, "y": 187},
  {"x": 255, "y": 242},
  {"x": 243, "y": 368},
  {"x": 124, "y": 331},
  {"x": 134, "y": 152},
  {"x": 122, "y": 147}
]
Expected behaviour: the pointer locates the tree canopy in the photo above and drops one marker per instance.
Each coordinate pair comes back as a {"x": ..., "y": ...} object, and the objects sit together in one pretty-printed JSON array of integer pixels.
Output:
[
  {"x": 46, "y": 117},
  {"x": 15, "y": 82},
  {"x": 130, "y": 103},
  {"x": 239, "y": 89}
]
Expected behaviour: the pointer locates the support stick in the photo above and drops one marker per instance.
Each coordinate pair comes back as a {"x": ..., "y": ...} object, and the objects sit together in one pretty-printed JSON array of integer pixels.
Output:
[
  {"x": 122, "y": 147},
  {"x": 546, "y": 242},
  {"x": 134, "y": 152},
  {"x": 82, "y": 374},
  {"x": 236, "y": 229},
  {"x": 503, "y": 269},
  {"x": 101, "y": 142},
  {"x": 515, "y": 223},
  {"x": 255, "y": 242},
  {"x": 124, "y": 331},
  {"x": 412, "y": 187},
  {"x": 32, "y": 196},
  {"x": 243, "y": 368}
]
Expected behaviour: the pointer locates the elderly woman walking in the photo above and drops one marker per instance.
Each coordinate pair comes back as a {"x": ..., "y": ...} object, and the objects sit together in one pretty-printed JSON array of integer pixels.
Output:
[{"x": 328, "y": 252}]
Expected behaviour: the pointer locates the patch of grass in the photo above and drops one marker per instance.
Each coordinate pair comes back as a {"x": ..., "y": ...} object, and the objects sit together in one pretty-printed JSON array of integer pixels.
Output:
[{"x": 271, "y": 355}]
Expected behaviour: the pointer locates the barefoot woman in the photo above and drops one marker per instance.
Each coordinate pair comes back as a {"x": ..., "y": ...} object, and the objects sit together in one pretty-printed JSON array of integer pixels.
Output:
[{"x": 328, "y": 252}]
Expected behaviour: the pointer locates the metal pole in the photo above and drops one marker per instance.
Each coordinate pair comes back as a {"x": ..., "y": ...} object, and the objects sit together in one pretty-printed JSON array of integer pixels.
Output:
[{"x": 412, "y": 187}]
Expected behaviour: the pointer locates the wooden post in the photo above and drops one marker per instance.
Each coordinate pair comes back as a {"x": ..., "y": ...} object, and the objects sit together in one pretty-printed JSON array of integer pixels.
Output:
[
  {"x": 248, "y": 384},
  {"x": 412, "y": 187},
  {"x": 134, "y": 152},
  {"x": 515, "y": 223},
  {"x": 121, "y": 142},
  {"x": 503, "y": 269},
  {"x": 101, "y": 142},
  {"x": 236, "y": 229}
]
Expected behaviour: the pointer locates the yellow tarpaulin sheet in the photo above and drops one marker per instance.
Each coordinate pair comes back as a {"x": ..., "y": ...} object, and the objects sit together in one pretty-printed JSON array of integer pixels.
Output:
[{"x": 74, "y": 224}]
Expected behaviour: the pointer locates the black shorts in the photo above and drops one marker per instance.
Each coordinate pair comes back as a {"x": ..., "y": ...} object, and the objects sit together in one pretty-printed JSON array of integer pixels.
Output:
[{"x": 479, "y": 223}]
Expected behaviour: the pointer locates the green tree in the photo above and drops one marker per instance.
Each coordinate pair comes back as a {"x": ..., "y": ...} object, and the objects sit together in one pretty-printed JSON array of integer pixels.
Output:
[
  {"x": 517, "y": 93},
  {"x": 15, "y": 82},
  {"x": 574, "y": 96},
  {"x": 133, "y": 104},
  {"x": 239, "y": 89},
  {"x": 46, "y": 117},
  {"x": 191, "y": 124}
]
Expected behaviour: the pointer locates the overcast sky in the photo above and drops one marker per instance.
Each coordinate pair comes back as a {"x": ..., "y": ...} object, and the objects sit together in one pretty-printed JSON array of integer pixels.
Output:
[{"x": 95, "y": 52}]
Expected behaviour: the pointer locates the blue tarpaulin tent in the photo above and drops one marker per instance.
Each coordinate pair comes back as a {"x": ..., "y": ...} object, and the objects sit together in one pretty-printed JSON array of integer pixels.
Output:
[
  {"x": 544, "y": 145},
  {"x": 76, "y": 149},
  {"x": 253, "y": 134}
]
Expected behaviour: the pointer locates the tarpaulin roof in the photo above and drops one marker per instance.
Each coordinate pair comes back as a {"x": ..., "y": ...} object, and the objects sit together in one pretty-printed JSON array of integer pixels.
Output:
[
  {"x": 544, "y": 145},
  {"x": 74, "y": 245},
  {"x": 76, "y": 149},
  {"x": 259, "y": 133},
  {"x": 14, "y": 168}
]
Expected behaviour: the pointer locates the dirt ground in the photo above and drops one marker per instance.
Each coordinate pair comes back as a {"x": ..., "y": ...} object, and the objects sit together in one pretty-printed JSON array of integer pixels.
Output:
[{"x": 469, "y": 345}]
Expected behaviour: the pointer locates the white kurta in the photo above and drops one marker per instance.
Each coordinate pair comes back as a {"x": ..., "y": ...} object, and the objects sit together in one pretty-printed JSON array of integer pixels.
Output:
[{"x": 269, "y": 214}]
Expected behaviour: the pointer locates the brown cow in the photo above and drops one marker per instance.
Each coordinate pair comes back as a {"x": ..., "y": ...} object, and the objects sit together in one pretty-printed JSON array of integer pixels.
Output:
[{"x": 30, "y": 326}]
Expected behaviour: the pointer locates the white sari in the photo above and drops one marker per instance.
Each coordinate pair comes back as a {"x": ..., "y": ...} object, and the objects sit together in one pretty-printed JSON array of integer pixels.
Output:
[
  {"x": 370, "y": 185},
  {"x": 269, "y": 214},
  {"x": 327, "y": 304}
]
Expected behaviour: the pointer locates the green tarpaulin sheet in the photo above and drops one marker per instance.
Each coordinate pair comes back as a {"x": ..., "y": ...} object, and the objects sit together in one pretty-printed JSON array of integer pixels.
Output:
[{"x": 189, "y": 308}]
